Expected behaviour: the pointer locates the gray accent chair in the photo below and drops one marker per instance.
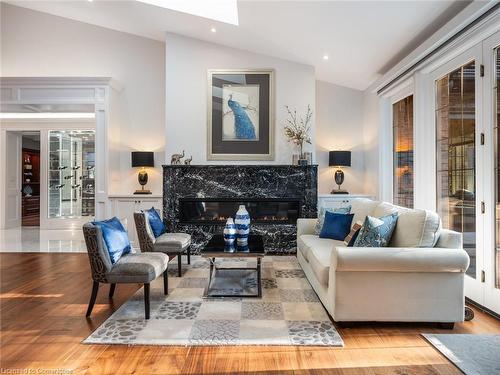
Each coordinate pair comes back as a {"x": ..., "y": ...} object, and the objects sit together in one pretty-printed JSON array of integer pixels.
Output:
[
  {"x": 172, "y": 244},
  {"x": 131, "y": 268}
]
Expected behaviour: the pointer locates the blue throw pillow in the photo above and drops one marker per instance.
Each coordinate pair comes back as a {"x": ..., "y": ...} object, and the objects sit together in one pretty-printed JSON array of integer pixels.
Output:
[
  {"x": 376, "y": 232},
  {"x": 323, "y": 211},
  {"x": 336, "y": 226},
  {"x": 155, "y": 222},
  {"x": 115, "y": 237}
]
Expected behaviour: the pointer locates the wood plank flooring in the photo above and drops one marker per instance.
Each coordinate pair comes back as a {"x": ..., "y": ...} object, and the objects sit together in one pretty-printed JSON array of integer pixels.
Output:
[{"x": 43, "y": 299}]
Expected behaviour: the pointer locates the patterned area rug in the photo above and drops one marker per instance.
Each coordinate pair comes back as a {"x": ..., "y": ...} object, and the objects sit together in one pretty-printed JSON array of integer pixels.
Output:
[
  {"x": 289, "y": 312},
  {"x": 473, "y": 354}
]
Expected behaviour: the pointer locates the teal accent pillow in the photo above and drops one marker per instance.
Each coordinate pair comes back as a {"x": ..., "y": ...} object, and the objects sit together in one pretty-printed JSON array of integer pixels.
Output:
[
  {"x": 155, "y": 222},
  {"x": 376, "y": 232},
  {"x": 323, "y": 211},
  {"x": 115, "y": 237},
  {"x": 336, "y": 226}
]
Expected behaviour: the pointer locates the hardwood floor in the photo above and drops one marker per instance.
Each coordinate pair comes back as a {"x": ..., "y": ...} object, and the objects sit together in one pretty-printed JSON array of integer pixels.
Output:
[{"x": 43, "y": 302}]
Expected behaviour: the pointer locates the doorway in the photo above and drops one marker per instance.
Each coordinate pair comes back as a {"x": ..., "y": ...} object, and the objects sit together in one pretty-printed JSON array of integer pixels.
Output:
[{"x": 30, "y": 179}]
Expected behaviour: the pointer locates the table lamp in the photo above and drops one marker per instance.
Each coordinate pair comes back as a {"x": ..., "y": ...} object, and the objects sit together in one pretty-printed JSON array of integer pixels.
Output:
[
  {"x": 143, "y": 159},
  {"x": 339, "y": 159}
]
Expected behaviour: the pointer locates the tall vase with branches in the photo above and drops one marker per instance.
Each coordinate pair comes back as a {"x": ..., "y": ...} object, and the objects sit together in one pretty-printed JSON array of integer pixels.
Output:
[{"x": 297, "y": 128}]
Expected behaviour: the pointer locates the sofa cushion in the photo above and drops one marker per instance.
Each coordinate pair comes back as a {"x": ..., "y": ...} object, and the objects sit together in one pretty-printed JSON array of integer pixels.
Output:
[
  {"x": 172, "y": 242},
  {"x": 415, "y": 227},
  {"x": 362, "y": 207},
  {"x": 319, "y": 259},
  {"x": 138, "y": 268},
  {"x": 306, "y": 242}
]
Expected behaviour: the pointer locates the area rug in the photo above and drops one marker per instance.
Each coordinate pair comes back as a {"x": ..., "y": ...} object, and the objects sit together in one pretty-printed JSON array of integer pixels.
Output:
[
  {"x": 473, "y": 354},
  {"x": 289, "y": 312}
]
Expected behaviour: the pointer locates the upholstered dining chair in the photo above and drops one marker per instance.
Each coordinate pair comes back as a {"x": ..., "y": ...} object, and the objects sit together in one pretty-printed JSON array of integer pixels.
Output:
[
  {"x": 172, "y": 244},
  {"x": 131, "y": 268}
]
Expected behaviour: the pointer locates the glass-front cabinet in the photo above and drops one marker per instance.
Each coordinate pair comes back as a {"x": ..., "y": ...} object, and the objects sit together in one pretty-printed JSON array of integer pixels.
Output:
[{"x": 71, "y": 171}]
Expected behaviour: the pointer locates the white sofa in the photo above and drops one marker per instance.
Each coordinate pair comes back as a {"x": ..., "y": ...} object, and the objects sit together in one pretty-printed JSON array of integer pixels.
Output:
[{"x": 418, "y": 278}]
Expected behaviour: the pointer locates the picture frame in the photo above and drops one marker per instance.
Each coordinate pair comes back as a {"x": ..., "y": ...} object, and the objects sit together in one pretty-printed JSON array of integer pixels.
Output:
[{"x": 240, "y": 116}]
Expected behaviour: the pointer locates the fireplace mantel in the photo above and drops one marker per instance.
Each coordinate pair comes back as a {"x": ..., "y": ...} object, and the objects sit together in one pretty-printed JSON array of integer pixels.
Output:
[{"x": 182, "y": 182}]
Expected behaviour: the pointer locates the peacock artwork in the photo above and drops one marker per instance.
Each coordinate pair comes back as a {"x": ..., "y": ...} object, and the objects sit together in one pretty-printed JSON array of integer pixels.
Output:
[
  {"x": 240, "y": 121},
  {"x": 240, "y": 113}
]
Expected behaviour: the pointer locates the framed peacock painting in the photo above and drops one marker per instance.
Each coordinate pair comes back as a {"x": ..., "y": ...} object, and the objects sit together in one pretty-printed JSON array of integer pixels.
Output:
[{"x": 240, "y": 115}]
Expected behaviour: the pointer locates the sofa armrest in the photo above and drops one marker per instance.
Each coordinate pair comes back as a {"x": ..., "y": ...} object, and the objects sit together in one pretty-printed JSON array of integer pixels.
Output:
[
  {"x": 450, "y": 239},
  {"x": 305, "y": 226},
  {"x": 395, "y": 259}
]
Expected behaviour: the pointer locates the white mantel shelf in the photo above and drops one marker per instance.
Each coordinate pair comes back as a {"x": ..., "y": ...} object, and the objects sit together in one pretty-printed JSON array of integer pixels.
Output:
[{"x": 345, "y": 196}]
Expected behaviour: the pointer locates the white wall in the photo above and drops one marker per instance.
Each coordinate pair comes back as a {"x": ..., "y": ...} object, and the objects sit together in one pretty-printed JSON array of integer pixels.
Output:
[
  {"x": 37, "y": 44},
  {"x": 371, "y": 140},
  {"x": 187, "y": 62},
  {"x": 339, "y": 126}
]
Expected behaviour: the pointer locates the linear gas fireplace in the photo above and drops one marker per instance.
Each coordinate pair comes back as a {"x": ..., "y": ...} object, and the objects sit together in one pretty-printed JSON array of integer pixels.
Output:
[
  {"x": 198, "y": 199},
  {"x": 218, "y": 210}
]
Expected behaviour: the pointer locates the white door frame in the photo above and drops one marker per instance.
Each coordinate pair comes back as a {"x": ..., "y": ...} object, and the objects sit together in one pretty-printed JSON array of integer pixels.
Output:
[
  {"x": 473, "y": 286},
  {"x": 491, "y": 293},
  {"x": 60, "y": 90}
]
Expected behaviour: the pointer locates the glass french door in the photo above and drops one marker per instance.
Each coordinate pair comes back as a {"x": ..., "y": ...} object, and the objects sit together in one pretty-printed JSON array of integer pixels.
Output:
[
  {"x": 459, "y": 158},
  {"x": 467, "y": 119}
]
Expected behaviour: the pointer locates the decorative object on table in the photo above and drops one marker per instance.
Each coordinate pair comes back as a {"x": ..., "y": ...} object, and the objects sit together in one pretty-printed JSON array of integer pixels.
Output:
[
  {"x": 230, "y": 232},
  {"x": 324, "y": 210},
  {"x": 295, "y": 158},
  {"x": 297, "y": 131},
  {"x": 376, "y": 231},
  {"x": 176, "y": 158},
  {"x": 308, "y": 156},
  {"x": 143, "y": 160},
  {"x": 242, "y": 222},
  {"x": 339, "y": 159},
  {"x": 240, "y": 115},
  {"x": 188, "y": 161},
  {"x": 336, "y": 226}
]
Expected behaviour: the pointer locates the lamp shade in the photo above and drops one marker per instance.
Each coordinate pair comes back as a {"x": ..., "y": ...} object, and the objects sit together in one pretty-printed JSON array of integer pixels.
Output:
[
  {"x": 339, "y": 158},
  {"x": 143, "y": 159}
]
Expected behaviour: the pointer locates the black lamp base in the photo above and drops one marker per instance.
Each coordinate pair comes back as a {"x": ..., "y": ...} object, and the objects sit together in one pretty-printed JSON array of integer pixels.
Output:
[
  {"x": 142, "y": 191},
  {"x": 339, "y": 191}
]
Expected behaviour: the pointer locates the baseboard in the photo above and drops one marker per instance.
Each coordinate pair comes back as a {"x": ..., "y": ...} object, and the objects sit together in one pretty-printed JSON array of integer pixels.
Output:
[{"x": 482, "y": 308}]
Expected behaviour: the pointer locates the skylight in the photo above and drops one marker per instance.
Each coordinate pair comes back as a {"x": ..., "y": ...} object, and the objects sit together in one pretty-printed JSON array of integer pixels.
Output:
[{"x": 217, "y": 10}]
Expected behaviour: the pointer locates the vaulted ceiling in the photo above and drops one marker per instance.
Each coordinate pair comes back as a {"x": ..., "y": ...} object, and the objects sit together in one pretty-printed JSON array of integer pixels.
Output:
[{"x": 362, "y": 39}]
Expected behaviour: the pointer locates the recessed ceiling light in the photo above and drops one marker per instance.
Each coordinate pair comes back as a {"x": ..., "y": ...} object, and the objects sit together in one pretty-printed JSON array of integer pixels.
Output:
[
  {"x": 90, "y": 1},
  {"x": 213, "y": 29},
  {"x": 325, "y": 57}
]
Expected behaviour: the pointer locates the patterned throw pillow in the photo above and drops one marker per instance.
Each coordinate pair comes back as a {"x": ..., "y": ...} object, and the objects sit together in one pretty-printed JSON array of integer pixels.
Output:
[
  {"x": 376, "y": 232},
  {"x": 353, "y": 234},
  {"x": 323, "y": 211}
]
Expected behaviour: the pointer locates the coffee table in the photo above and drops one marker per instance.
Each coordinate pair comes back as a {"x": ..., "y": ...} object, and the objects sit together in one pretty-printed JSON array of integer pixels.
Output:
[{"x": 216, "y": 248}]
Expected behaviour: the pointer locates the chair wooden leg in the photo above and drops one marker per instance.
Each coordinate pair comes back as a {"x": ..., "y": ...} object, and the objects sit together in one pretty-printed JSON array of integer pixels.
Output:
[
  {"x": 165, "y": 282},
  {"x": 112, "y": 290},
  {"x": 146, "y": 300},
  {"x": 93, "y": 296},
  {"x": 189, "y": 254},
  {"x": 179, "y": 264}
]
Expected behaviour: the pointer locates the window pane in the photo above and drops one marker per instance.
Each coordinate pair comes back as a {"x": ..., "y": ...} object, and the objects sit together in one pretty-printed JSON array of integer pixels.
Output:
[
  {"x": 71, "y": 173},
  {"x": 455, "y": 149},
  {"x": 402, "y": 120}
]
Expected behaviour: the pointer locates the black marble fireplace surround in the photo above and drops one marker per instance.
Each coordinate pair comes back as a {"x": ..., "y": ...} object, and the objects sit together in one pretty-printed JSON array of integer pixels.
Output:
[{"x": 198, "y": 198}]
